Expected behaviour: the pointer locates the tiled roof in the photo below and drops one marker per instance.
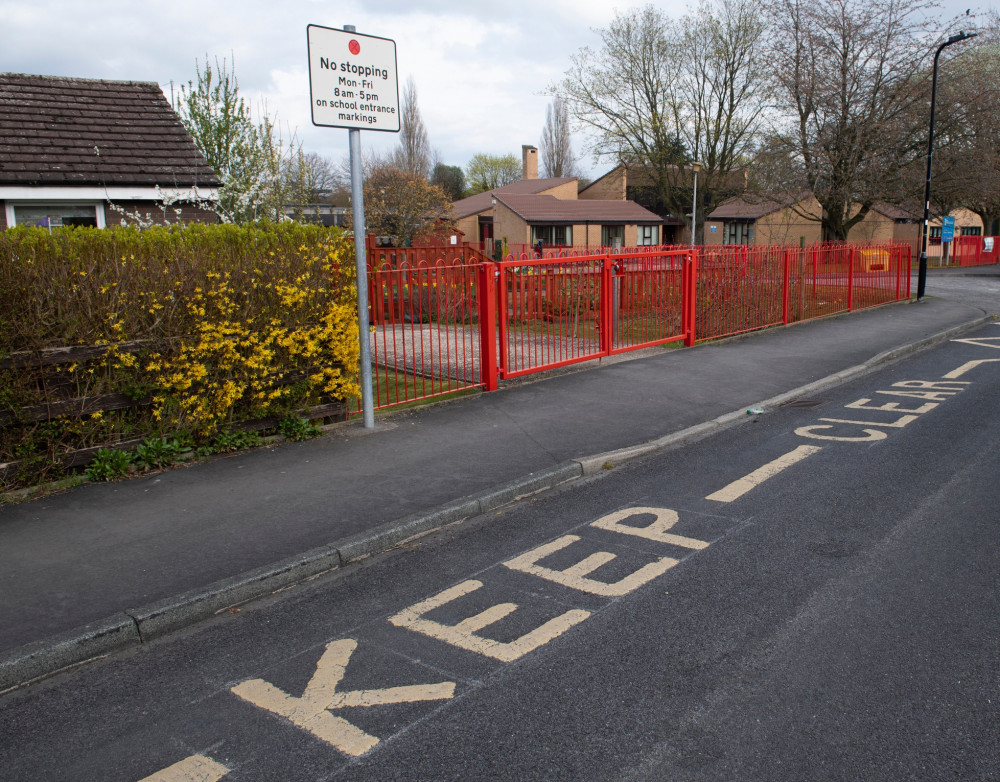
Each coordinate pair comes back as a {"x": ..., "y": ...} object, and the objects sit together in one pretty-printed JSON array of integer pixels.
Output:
[
  {"x": 482, "y": 202},
  {"x": 753, "y": 206},
  {"x": 63, "y": 131},
  {"x": 546, "y": 208}
]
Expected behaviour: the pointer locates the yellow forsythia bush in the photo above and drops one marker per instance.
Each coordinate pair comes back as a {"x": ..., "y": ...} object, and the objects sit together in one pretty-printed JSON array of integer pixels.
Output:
[
  {"x": 210, "y": 323},
  {"x": 301, "y": 348}
]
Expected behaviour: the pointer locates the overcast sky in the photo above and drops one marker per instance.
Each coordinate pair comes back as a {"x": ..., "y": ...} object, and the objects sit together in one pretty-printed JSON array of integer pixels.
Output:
[{"x": 481, "y": 68}]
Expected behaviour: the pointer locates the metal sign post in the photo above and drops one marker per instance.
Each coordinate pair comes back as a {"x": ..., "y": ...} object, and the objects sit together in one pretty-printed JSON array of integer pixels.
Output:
[
  {"x": 947, "y": 237},
  {"x": 353, "y": 84}
]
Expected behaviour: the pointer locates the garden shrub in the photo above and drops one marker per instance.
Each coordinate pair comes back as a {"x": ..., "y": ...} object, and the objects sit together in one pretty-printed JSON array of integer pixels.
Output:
[{"x": 202, "y": 325}]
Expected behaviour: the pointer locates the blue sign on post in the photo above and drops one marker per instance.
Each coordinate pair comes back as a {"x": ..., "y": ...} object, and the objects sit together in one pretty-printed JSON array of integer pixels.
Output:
[{"x": 948, "y": 229}]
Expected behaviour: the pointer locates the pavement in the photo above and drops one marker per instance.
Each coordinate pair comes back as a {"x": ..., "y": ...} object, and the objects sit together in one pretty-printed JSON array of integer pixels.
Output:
[{"x": 104, "y": 567}]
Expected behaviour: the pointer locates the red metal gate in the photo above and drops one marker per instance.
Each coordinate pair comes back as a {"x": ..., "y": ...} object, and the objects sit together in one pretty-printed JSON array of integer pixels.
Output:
[{"x": 553, "y": 312}]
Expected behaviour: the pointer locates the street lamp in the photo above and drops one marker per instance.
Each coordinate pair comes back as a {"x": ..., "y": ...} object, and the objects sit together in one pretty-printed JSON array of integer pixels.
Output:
[
  {"x": 922, "y": 273},
  {"x": 696, "y": 167}
]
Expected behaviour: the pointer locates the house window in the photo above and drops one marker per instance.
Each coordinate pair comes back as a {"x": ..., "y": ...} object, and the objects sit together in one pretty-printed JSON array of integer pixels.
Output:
[
  {"x": 737, "y": 233},
  {"x": 971, "y": 230},
  {"x": 552, "y": 234},
  {"x": 56, "y": 215},
  {"x": 648, "y": 235},
  {"x": 935, "y": 232},
  {"x": 613, "y": 235}
]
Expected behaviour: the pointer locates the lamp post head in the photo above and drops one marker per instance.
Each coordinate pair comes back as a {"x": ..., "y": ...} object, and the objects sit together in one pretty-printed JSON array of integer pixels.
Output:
[
  {"x": 962, "y": 35},
  {"x": 696, "y": 167}
]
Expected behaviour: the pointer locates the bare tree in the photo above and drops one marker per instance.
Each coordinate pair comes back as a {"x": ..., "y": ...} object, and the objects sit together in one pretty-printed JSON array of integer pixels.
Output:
[
  {"x": 414, "y": 151},
  {"x": 558, "y": 159},
  {"x": 307, "y": 177},
  {"x": 848, "y": 80},
  {"x": 661, "y": 94},
  {"x": 967, "y": 133}
]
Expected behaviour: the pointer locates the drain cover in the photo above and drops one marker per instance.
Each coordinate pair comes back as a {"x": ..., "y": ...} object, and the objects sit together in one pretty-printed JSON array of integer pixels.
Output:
[{"x": 803, "y": 403}]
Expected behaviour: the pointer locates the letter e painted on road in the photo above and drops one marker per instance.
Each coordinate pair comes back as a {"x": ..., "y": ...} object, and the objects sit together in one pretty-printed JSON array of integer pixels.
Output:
[
  {"x": 574, "y": 576},
  {"x": 464, "y": 635}
]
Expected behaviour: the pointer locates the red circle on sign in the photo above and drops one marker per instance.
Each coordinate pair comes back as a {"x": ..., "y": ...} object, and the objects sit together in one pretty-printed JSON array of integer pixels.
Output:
[{"x": 354, "y": 46}]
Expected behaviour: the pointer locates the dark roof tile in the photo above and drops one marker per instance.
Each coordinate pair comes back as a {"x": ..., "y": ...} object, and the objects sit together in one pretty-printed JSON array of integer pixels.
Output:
[
  {"x": 50, "y": 127},
  {"x": 483, "y": 201},
  {"x": 546, "y": 208}
]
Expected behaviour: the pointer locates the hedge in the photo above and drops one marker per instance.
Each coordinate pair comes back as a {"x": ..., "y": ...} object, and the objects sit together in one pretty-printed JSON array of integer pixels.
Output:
[{"x": 116, "y": 334}]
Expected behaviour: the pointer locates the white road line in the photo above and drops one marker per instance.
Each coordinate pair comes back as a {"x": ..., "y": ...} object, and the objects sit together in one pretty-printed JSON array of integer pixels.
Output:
[
  {"x": 738, "y": 488},
  {"x": 967, "y": 366},
  {"x": 983, "y": 342},
  {"x": 196, "y": 768}
]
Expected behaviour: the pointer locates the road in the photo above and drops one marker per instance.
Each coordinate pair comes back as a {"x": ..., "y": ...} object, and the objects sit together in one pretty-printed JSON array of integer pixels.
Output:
[{"x": 811, "y": 594}]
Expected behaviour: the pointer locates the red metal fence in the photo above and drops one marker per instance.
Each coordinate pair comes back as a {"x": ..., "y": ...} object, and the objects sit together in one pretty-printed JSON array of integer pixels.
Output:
[
  {"x": 424, "y": 329},
  {"x": 975, "y": 250},
  {"x": 446, "y": 319}
]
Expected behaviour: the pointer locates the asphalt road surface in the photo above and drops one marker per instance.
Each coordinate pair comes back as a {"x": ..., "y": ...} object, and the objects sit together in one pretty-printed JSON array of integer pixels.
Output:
[{"x": 810, "y": 595}]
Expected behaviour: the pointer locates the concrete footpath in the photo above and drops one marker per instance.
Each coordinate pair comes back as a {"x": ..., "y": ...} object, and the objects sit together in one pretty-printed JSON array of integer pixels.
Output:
[{"x": 106, "y": 566}]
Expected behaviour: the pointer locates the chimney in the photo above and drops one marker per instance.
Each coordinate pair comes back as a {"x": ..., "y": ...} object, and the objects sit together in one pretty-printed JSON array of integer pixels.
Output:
[{"x": 529, "y": 162}]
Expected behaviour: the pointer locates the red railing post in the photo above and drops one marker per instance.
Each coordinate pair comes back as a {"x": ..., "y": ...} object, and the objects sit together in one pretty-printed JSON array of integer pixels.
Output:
[
  {"x": 690, "y": 298},
  {"x": 785, "y": 285},
  {"x": 850, "y": 280},
  {"x": 376, "y": 299},
  {"x": 909, "y": 270},
  {"x": 815, "y": 270},
  {"x": 898, "y": 252},
  {"x": 488, "y": 369},
  {"x": 607, "y": 308}
]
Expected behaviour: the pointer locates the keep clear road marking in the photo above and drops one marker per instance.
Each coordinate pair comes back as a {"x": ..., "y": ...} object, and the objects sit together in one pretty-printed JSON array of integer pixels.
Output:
[
  {"x": 196, "y": 768},
  {"x": 465, "y": 635},
  {"x": 738, "y": 488},
  {"x": 967, "y": 366},
  {"x": 311, "y": 711}
]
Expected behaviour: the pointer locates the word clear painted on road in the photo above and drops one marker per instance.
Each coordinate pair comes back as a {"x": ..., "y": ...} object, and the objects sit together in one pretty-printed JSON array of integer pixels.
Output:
[
  {"x": 311, "y": 711},
  {"x": 352, "y": 80},
  {"x": 930, "y": 392}
]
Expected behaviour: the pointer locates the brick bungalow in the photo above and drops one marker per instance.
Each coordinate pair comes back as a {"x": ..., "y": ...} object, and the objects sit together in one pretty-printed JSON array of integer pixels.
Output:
[
  {"x": 83, "y": 151},
  {"x": 556, "y": 212},
  {"x": 763, "y": 219},
  {"x": 527, "y": 219}
]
